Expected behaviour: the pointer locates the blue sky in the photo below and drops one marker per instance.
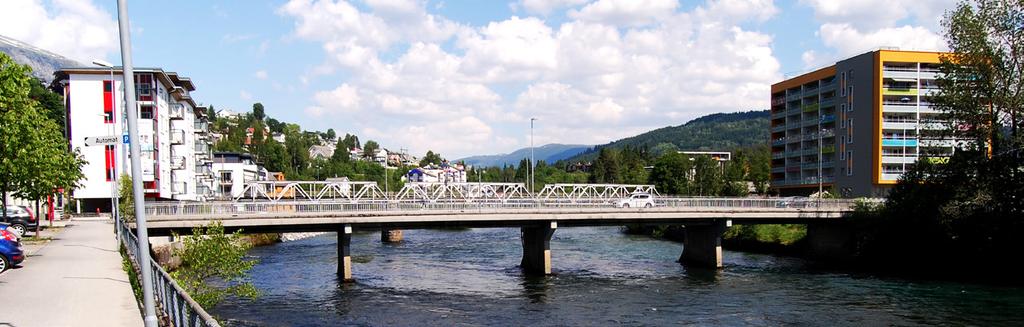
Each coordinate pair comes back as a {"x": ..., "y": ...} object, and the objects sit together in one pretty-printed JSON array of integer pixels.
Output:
[{"x": 463, "y": 77}]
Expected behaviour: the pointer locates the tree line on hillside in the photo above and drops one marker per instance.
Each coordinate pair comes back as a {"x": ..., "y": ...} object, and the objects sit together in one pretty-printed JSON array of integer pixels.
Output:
[
  {"x": 671, "y": 173},
  {"x": 35, "y": 160},
  {"x": 253, "y": 133}
]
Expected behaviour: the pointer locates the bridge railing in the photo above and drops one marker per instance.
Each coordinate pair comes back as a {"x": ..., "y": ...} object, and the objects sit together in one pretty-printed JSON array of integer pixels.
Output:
[
  {"x": 256, "y": 208},
  {"x": 173, "y": 301}
]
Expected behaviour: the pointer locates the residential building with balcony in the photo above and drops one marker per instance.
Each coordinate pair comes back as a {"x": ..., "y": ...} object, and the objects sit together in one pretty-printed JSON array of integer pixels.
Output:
[
  {"x": 856, "y": 126},
  {"x": 172, "y": 133},
  {"x": 234, "y": 171}
]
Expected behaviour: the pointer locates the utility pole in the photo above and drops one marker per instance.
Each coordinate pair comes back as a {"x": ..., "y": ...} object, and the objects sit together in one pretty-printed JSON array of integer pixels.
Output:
[
  {"x": 531, "y": 155},
  {"x": 133, "y": 136}
]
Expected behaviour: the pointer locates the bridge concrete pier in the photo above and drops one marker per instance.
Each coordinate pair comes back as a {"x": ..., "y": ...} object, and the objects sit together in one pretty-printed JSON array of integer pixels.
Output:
[
  {"x": 537, "y": 248},
  {"x": 388, "y": 235},
  {"x": 344, "y": 255},
  {"x": 702, "y": 244}
]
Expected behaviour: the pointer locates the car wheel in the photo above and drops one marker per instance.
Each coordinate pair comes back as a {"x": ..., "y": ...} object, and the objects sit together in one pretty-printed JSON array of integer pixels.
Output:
[
  {"x": 17, "y": 229},
  {"x": 3, "y": 263},
  {"x": 648, "y": 205},
  {"x": 625, "y": 205}
]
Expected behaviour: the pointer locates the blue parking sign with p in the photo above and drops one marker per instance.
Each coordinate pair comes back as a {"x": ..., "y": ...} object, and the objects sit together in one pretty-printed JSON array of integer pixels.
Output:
[{"x": 124, "y": 138}]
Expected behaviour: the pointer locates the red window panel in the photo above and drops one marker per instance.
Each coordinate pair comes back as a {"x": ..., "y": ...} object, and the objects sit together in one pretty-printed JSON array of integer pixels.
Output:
[
  {"x": 108, "y": 102},
  {"x": 108, "y": 156}
]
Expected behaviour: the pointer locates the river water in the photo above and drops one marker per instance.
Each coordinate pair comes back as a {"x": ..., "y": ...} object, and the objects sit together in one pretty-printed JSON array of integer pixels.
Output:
[{"x": 602, "y": 278}]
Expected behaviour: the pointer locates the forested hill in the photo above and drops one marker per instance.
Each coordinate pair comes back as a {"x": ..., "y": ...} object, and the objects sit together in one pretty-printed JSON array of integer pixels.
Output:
[{"x": 715, "y": 132}]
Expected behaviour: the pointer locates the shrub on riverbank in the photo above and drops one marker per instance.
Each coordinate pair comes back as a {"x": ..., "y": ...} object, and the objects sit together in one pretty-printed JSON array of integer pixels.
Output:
[{"x": 214, "y": 265}]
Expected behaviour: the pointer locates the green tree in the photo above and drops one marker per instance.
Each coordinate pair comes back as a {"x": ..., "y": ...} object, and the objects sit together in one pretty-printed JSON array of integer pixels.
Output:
[
  {"x": 606, "y": 168},
  {"x": 211, "y": 114},
  {"x": 275, "y": 125},
  {"x": 431, "y": 158},
  {"x": 126, "y": 203},
  {"x": 34, "y": 159},
  {"x": 707, "y": 176},
  {"x": 370, "y": 149},
  {"x": 330, "y": 134},
  {"x": 257, "y": 111},
  {"x": 671, "y": 174},
  {"x": 50, "y": 104},
  {"x": 211, "y": 254}
]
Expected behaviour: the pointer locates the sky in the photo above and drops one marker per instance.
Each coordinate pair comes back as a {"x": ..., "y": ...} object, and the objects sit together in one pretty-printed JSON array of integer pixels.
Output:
[{"x": 464, "y": 77}]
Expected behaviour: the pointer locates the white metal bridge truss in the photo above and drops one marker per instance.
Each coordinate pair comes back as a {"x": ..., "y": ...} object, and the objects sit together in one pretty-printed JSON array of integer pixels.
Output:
[
  {"x": 310, "y": 191},
  {"x": 322, "y": 191},
  {"x": 462, "y": 191},
  {"x": 592, "y": 192}
]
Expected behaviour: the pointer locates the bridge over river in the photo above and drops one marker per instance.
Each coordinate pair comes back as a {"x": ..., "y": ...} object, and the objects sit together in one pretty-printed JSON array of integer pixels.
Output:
[{"x": 330, "y": 207}]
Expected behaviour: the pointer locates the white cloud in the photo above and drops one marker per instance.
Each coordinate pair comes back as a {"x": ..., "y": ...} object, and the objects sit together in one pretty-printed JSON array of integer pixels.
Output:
[
  {"x": 260, "y": 74},
  {"x": 615, "y": 69},
  {"x": 849, "y": 41},
  {"x": 77, "y": 29},
  {"x": 876, "y": 14},
  {"x": 545, "y": 7},
  {"x": 854, "y": 27},
  {"x": 626, "y": 12}
]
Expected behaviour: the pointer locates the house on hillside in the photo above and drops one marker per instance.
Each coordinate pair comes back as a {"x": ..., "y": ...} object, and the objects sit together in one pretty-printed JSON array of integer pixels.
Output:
[{"x": 321, "y": 151}]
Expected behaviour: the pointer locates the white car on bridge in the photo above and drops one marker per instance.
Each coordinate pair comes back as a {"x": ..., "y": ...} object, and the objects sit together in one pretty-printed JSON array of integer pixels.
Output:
[{"x": 636, "y": 200}]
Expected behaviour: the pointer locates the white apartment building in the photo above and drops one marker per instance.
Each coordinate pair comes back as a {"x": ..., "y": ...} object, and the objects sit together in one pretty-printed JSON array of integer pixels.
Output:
[
  {"x": 173, "y": 133},
  {"x": 234, "y": 171}
]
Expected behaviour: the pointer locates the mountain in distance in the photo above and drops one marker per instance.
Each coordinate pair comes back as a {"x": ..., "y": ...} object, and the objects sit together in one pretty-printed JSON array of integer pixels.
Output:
[
  {"x": 42, "y": 62},
  {"x": 715, "y": 132},
  {"x": 550, "y": 153}
]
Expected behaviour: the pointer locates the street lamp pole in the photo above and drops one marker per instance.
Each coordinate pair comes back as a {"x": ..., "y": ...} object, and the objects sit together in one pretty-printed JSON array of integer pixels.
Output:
[
  {"x": 820, "y": 120},
  {"x": 124, "y": 31},
  {"x": 532, "y": 172},
  {"x": 114, "y": 198}
]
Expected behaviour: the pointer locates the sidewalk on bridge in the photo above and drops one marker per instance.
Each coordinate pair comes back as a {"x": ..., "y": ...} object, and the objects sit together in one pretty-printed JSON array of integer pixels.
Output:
[{"x": 74, "y": 280}]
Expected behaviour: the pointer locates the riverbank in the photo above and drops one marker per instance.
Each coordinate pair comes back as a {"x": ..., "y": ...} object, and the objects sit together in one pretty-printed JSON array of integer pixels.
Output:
[{"x": 781, "y": 239}]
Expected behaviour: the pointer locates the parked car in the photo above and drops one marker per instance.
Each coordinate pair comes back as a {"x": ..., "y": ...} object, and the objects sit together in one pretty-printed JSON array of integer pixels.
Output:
[
  {"x": 793, "y": 202},
  {"x": 21, "y": 220},
  {"x": 636, "y": 200},
  {"x": 10, "y": 249}
]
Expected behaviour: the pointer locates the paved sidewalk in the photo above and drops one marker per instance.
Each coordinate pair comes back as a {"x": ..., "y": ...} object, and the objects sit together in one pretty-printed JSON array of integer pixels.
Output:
[{"x": 74, "y": 280}]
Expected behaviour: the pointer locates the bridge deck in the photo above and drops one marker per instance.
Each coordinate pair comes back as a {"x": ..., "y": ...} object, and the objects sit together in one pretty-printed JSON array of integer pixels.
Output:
[{"x": 301, "y": 217}]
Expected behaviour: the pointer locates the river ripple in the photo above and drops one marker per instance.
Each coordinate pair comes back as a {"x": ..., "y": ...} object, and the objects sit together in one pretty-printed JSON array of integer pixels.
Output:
[{"x": 602, "y": 278}]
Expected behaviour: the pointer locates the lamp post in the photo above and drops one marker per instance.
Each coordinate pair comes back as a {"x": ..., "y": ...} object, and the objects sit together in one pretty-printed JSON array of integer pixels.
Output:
[
  {"x": 114, "y": 198},
  {"x": 531, "y": 155},
  {"x": 820, "y": 121},
  {"x": 124, "y": 33}
]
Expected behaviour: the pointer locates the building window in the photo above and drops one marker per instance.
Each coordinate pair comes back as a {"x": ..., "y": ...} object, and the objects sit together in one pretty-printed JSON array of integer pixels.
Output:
[
  {"x": 108, "y": 102},
  {"x": 842, "y": 147},
  {"x": 849, "y": 97},
  {"x": 849, "y": 131},
  {"x": 842, "y": 85},
  {"x": 225, "y": 176},
  {"x": 109, "y": 158},
  {"x": 146, "y": 112},
  {"x": 849, "y": 163}
]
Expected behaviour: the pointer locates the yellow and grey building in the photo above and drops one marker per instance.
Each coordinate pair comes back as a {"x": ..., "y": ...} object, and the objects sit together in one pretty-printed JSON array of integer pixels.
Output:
[{"x": 863, "y": 117}]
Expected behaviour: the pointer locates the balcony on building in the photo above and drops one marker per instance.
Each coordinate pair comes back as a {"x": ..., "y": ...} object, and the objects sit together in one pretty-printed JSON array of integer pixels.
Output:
[
  {"x": 177, "y": 137},
  {"x": 177, "y": 111}
]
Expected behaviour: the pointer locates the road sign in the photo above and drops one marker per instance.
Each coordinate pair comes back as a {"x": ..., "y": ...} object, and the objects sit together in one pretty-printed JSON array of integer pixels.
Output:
[
  {"x": 124, "y": 139},
  {"x": 101, "y": 140}
]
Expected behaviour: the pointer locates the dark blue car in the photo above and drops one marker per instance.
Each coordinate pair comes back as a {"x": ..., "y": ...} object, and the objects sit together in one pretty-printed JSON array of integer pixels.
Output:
[{"x": 10, "y": 249}]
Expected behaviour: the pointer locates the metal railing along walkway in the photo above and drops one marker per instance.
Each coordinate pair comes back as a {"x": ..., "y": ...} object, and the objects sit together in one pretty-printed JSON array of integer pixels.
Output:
[
  {"x": 160, "y": 211},
  {"x": 172, "y": 301}
]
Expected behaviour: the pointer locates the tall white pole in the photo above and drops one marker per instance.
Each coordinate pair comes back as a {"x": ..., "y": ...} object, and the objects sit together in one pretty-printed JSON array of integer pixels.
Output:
[
  {"x": 117, "y": 161},
  {"x": 133, "y": 137},
  {"x": 531, "y": 156}
]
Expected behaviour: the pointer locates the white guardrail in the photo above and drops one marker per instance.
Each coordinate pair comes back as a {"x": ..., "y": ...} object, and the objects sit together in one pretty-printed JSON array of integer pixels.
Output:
[{"x": 161, "y": 211}]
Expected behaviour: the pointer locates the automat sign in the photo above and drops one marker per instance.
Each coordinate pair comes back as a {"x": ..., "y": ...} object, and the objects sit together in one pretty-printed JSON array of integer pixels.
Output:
[{"x": 102, "y": 140}]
